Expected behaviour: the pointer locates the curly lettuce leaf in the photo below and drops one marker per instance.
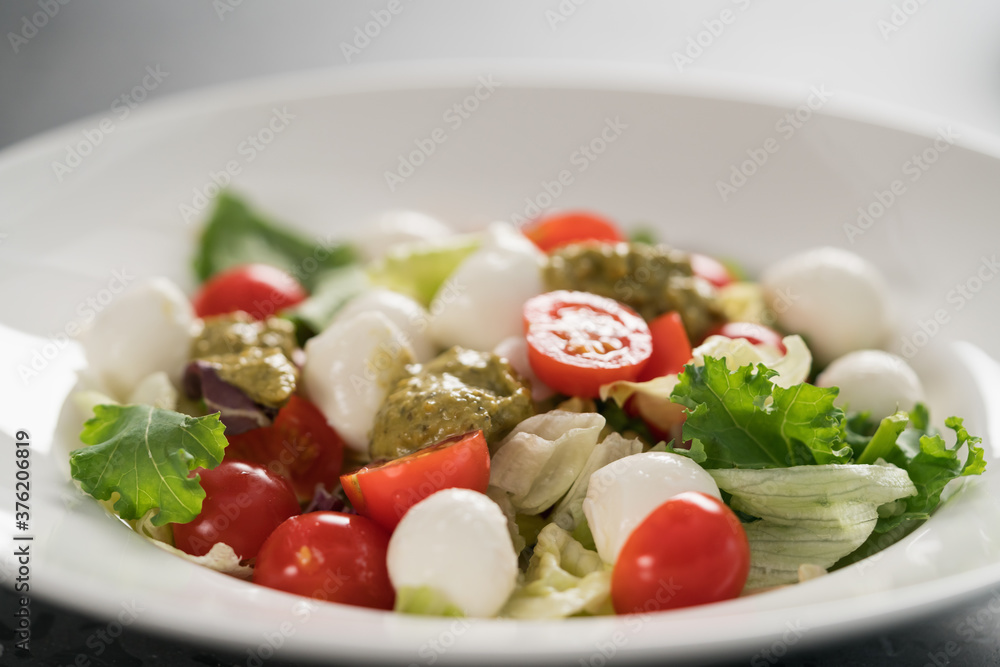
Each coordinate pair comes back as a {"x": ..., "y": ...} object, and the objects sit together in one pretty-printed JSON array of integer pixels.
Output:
[
  {"x": 145, "y": 455},
  {"x": 743, "y": 420}
]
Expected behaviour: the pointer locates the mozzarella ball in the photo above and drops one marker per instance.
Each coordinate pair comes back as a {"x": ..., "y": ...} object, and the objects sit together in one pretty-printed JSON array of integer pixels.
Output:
[
  {"x": 835, "y": 299},
  {"x": 147, "y": 329},
  {"x": 349, "y": 369},
  {"x": 622, "y": 494},
  {"x": 393, "y": 227},
  {"x": 873, "y": 381},
  {"x": 401, "y": 310},
  {"x": 482, "y": 302},
  {"x": 515, "y": 350},
  {"x": 456, "y": 542}
]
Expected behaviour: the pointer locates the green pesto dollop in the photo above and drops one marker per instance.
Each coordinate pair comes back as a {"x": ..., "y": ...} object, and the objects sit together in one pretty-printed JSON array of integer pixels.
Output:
[
  {"x": 459, "y": 391},
  {"x": 234, "y": 332},
  {"x": 254, "y": 356},
  {"x": 651, "y": 279}
]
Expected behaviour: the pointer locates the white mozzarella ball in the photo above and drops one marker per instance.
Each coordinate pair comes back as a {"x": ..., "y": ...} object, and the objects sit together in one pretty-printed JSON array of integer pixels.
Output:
[
  {"x": 394, "y": 227},
  {"x": 515, "y": 350},
  {"x": 873, "y": 381},
  {"x": 456, "y": 542},
  {"x": 622, "y": 494},
  {"x": 348, "y": 371},
  {"x": 837, "y": 300},
  {"x": 401, "y": 310},
  {"x": 486, "y": 294},
  {"x": 147, "y": 329}
]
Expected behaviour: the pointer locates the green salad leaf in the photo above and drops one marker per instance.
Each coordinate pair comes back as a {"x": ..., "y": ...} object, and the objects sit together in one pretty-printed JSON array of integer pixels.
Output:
[
  {"x": 425, "y": 601},
  {"x": 564, "y": 578},
  {"x": 144, "y": 454},
  {"x": 744, "y": 420},
  {"x": 236, "y": 234},
  {"x": 419, "y": 269}
]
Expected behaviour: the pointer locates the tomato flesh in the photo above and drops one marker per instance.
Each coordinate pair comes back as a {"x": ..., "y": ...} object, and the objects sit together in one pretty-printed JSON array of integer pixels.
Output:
[
  {"x": 671, "y": 347},
  {"x": 710, "y": 269},
  {"x": 755, "y": 334},
  {"x": 384, "y": 492},
  {"x": 300, "y": 446},
  {"x": 257, "y": 289},
  {"x": 328, "y": 556},
  {"x": 555, "y": 231},
  {"x": 690, "y": 550},
  {"x": 243, "y": 503},
  {"x": 578, "y": 341}
]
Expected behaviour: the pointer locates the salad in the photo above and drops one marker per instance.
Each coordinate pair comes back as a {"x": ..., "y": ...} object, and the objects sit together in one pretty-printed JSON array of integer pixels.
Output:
[{"x": 527, "y": 423}]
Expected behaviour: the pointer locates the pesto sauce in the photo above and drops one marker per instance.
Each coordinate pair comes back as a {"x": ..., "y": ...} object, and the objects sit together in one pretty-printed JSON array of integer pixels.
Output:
[
  {"x": 652, "y": 280},
  {"x": 253, "y": 356},
  {"x": 459, "y": 391}
]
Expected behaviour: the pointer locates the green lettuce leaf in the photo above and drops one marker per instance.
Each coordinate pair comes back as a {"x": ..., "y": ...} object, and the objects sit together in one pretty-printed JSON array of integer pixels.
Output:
[
  {"x": 743, "y": 420},
  {"x": 425, "y": 601},
  {"x": 145, "y": 455},
  {"x": 563, "y": 579},
  {"x": 809, "y": 515},
  {"x": 931, "y": 464},
  {"x": 236, "y": 234},
  {"x": 419, "y": 269}
]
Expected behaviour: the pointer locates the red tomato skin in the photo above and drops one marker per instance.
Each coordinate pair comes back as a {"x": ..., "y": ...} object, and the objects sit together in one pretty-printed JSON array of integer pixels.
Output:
[
  {"x": 755, "y": 334},
  {"x": 385, "y": 492},
  {"x": 710, "y": 269},
  {"x": 690, "y": 550},
  {"x": 560, "y": 229},
  {"x": 257, "y": 289},
  {"x": 243, "y": 503},
  {"x": 556, "y": 320},
  {"x": 300, "y": 446},
  {"x": 671, "y": 347},
  {"x": 329, "y": 556}
]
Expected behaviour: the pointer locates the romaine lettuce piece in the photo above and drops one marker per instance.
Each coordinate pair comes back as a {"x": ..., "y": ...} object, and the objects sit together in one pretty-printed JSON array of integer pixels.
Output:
[
  {"x": 540, "y": 459},
  {"x": 813, "y": 514},
  {"x": 563, "y": 579},
  {"x": 419, "y": 269}
]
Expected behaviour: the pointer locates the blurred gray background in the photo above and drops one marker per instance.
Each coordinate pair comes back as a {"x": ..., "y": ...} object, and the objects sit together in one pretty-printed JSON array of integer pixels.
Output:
[{"x": 61, "y": 60}]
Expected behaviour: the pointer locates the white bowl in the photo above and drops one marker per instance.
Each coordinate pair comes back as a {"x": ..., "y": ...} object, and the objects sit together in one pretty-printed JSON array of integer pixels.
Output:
[{"x": 661, "y": 146}]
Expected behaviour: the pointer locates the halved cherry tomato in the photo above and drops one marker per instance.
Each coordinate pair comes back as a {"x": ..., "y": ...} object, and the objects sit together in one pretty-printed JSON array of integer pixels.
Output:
[
  {"x": 328, "y": 556},
  {"x": 578, "y": 341},
  {"x": 755, "y": 334},
  {"x": 554, "y": 231},
  {"x": 690, "y": 550},
  {"x": 300, "y": 446},
  {"x": 243, "y": 503},
  {"x": 671, "y": 347},
  {"x": 258, "y": 289},
  {"x": 385, "y": 491},
  {"x": 710, "y": 269}
]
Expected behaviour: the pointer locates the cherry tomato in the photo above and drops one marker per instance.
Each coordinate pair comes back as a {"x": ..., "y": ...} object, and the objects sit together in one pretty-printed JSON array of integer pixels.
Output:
[
  {"x": 578, "y": 341},
  {"x": 385, "y": 491},
  {"x": 328, "y": 556},
  {"x": 258, "y": 289},
  {"x": 243, "y": 504},
  {"x": 710, "y": 269},
  {"x": 554, "y": 231},
  {"x": 671, "y": 347},
  {"x": 690, "y": 550},
  {"x": 755, "y": 334},
  {"x": 300, "y": 446}
]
